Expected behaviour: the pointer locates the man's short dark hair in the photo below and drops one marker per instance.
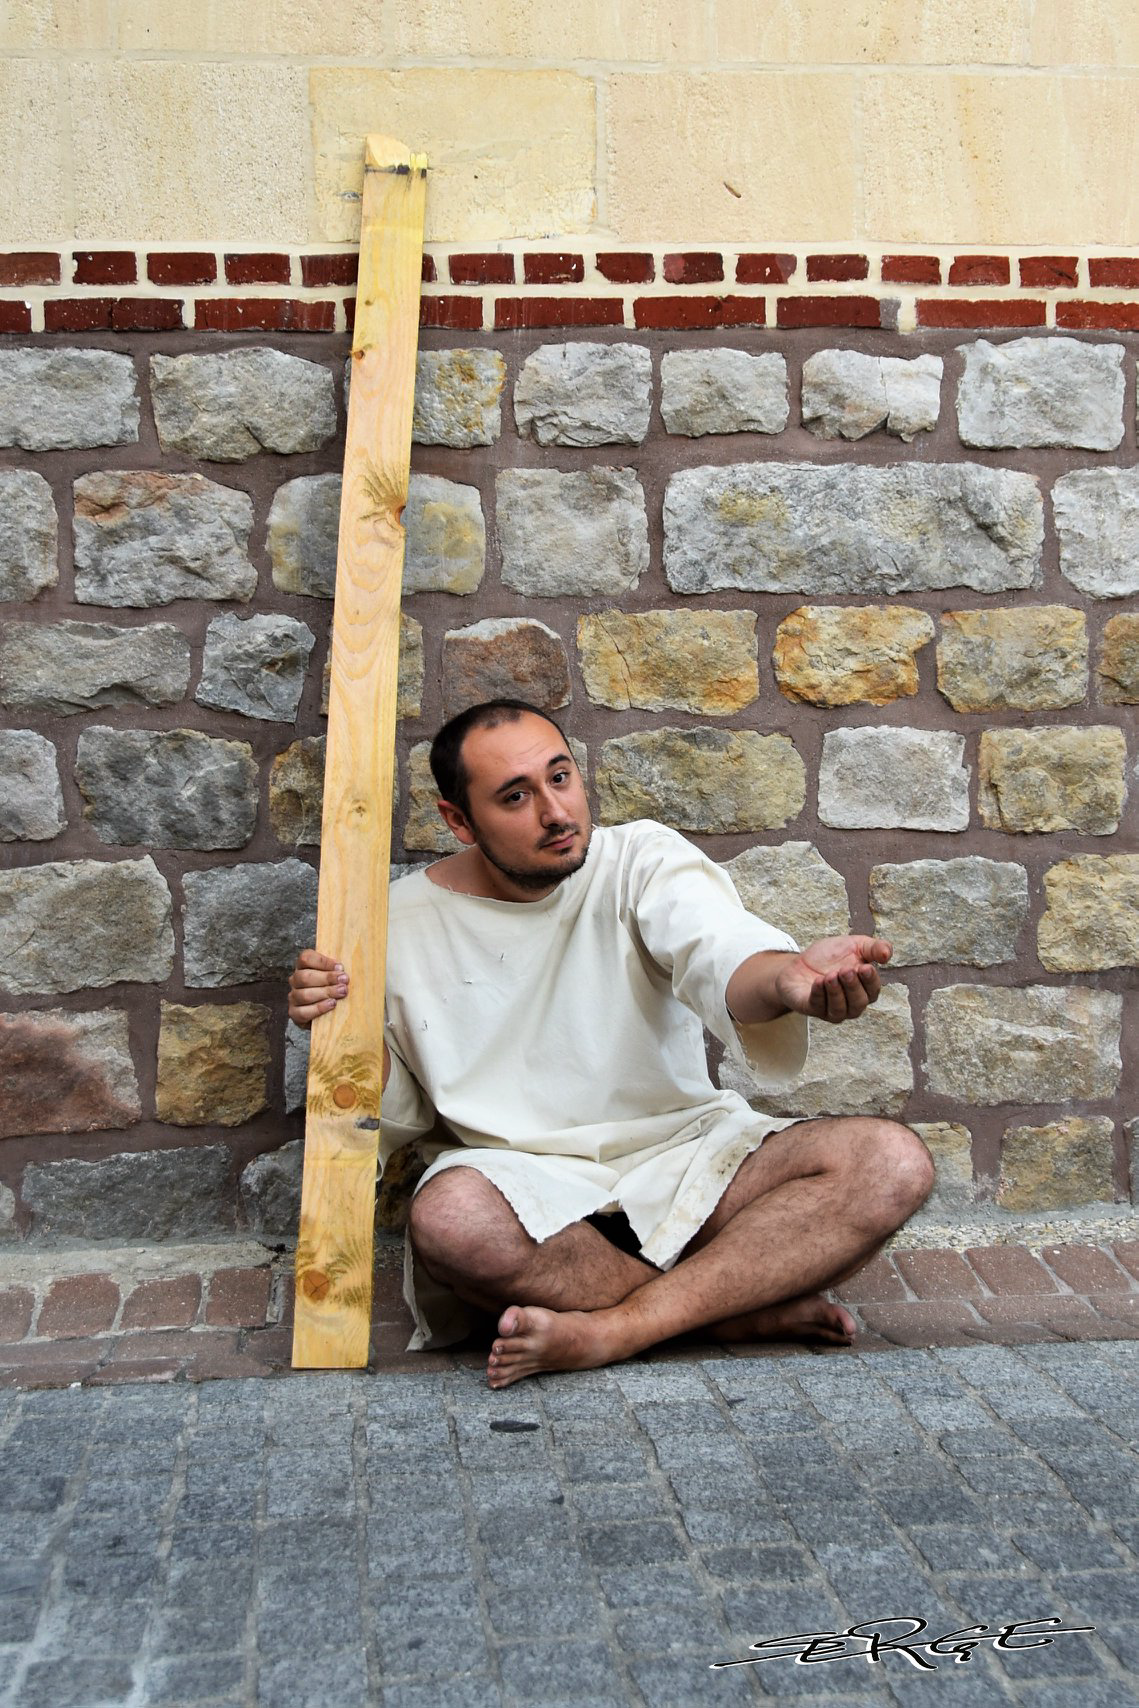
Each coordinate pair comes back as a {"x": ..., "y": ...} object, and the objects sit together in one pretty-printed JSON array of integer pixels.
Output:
[{"x": 451, "y": 776}]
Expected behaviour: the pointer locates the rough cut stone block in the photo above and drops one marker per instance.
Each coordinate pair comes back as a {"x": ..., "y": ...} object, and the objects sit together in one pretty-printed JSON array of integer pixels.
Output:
[
  {"x": 879, "y": 777},
  {"x": 951, "y": 1147},
  {"x": 69, "y": 667},
  {"x": 792, "y": 886},
  {"x": 297, "y": 1042},
  {"x": 271, "y": 1191},
  {"x": 446, "y": 536},
  {"x": 255, "y": 665},
  {"x": 1027, "y": 658},
  {"x": 304, "y": 522},
  {"x": 63, "y": 400},
  {"x": 1038, "y": 1044},
  {"x": 1059, "y": 1166},
  {"x": 585, "y": 394},
  {"x": 504, "y": 657},
  {"x": 1052, "y": 778},
  {"x": 1041, "y": 391},
  {"x": 29, "y": 534},
  {"x": 425, "y": 830},
  {"x": 154, "y": 1196},
  {"x": 844, "y": 655},
  {"x": 458, "y": 397},
  {"x": 577, "y": 534},
  {"x": 213, "y": 1064},
  {"x": 1097, "y": 522},
  {"x": 969, "y": 910},
  {"x": 409, "y": 679},
  {"x": 688, "y": 661},
  {"x": 859, "y": 1069},
  {"x": 66, "y": 1073},
  {"x": 723, "y": 391},
  {"x": 296, "y": 791},
  {"x": 1091, "y": 920},
  {"x": 9, "y": 1229},
  {"x": 710, "y": 780},
  {"x": 169, "y": 789},
  {"x": 1118, "y": 668},
  {"x": 83, "y": 924},
  {"x": 229, "y": 407},
  {"x": 31, "y": 800},
  {"x": 146, "y": 539},
  {"x": 847, "y": 529},
  {"x": 847, "y": 394},
  {"x": 247, "y": 922}
]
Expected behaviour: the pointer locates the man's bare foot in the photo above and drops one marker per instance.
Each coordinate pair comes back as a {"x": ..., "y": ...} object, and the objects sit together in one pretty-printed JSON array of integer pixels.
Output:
[
  {"x": 531, "y": 1339},
  {"x": 809, "y": 1317}
]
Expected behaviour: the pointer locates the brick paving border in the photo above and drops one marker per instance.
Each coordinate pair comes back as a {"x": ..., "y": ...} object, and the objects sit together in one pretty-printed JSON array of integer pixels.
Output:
[{"x": 94, "y": 1329}]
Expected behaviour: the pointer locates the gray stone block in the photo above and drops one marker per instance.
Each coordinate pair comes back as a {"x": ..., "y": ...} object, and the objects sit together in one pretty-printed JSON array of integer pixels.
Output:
[
  {"x": 63, "y": 400},
  {"x": 446, "y": 536},
  {"x": 1041, "y": 391},
  {"x": 83, "y": 924},
  {"x": 1037, "y": 1044},
  {"x": 304, "y": 525},
  {"x": 969, "y": 910},
  {"x": 63, "y": 668},
  {"x": 851, "y": 1070},
  {"x": 29, "y": 534},
  {"x": 146, "y": 539},
  {"x": 1097, "y": 521},
  {"x": 229, "y": 407},
  {"x": 585, "y": 394},
  {"x": 148, "y": 1195},
  {"x": 848, "y": 394},
  {"x": 31, "y": 800},
  {"x": 723, "y": 391},
  {"x": 792, "y": 886},
  {"x": 168, "y": 789},
  {"x": 876, "y": 777},
  {"x": 846, "y": 529},
  {"x": 702, "y": 779},
  {"x": 297, "y": 1044},
  {"x": 577, "y": 534},
  {"x": 248, "y": 922},
  {"x": 255, "y": 665},
  {"x": 458, "y": 397}
]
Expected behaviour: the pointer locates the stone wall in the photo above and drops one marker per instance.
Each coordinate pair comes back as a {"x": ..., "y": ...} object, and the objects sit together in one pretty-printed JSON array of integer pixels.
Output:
[{"x": 854, "y": 610}]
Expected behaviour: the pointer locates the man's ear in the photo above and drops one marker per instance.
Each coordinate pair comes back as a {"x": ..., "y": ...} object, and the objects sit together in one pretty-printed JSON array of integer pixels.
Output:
[{"x": 457, "y": 822}]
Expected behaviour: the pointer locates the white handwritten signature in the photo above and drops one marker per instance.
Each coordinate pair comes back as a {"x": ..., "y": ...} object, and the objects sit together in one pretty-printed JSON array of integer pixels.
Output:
[{"x": 871, "y": 1639}]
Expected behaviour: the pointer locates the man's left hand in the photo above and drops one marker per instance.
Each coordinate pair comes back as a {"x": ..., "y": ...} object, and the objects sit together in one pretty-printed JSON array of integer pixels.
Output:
[{"x": 834, "y": 979}]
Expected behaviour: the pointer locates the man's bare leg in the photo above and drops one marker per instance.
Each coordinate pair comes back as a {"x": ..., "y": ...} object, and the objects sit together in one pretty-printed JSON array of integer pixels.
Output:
[{"x": 818, "y": 1200}]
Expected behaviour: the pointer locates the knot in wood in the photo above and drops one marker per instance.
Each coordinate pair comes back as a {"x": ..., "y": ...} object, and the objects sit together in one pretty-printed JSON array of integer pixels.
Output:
[
  {"x": 315, "y": 1284},
  {"x": 344, "y": 1095}
]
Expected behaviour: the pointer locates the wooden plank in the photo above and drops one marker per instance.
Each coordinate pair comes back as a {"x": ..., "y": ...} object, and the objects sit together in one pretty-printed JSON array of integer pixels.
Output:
[{"x": 334, "y": 1248}]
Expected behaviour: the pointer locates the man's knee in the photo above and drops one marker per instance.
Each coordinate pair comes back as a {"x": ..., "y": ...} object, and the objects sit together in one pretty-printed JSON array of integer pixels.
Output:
[
  {"x": 898, "y": 1164},
  {"x": 461, "y": 1224}
]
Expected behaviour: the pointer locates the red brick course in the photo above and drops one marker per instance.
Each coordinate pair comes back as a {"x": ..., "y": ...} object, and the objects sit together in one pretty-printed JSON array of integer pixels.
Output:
[
  {"x": 320, "y": 270},
  {"x": 15, "y": 317},
  {"x": 834, "y": 267},
  {"x": 979, "y": 270},
  {"x": 16, "y": 1307},
  {"x": 764, "y": 269},
  {"x": 696, "y": 313},
  {"x": 463, "y": 314},
  {"x": 105, "y": 267},
  {"x": 239, "y": 1298},
  {"x": 924, "y": 1322},
  {"x": 184, "y": 268},
  {"x": 993, "y": 311},
  {"x": 1094, "y": 316},
  {"x": 911, "y": 270},
  {"x": 1011, "y": 1269},
  {"x": 694, "y": 267},
  {"x": 146, "y": 314},
  {"x": 829, "y": 311},
  {"x": 878, "y": 1283},
  {"x": 1048, "y": 272},
  {"x": 481, "y": 269},
  {"x": 1118, "y": 271},
  {"x": 78, "y": 1305},
  {"x": 626, "y": 267},
  {"x": 262, "y": 314},
  {"x": 1127, "y": 1253},
  {"x": 511, "y": 313},
  {"x": 937, "y": 1274},
  {"x": 257, "y": 269},
  {"x": 1086, "y": 1270},
  {"x": 29, "y": 267},
  {"x": 78, "y": 314},
  {"x": 1069, "y": 1317},
  {"x": 553, "y": 269},
  {"x": 171, "y": 1303}
]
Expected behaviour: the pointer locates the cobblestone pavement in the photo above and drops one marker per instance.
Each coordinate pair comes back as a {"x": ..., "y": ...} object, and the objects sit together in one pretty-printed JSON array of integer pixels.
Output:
[{"x": 414, "y": 1540}]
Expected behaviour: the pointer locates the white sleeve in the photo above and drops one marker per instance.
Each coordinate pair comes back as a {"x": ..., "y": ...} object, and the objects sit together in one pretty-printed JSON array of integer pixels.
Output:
[
  {"x": 696, "y": 928},
  {"x": 405, "y": 1111}
]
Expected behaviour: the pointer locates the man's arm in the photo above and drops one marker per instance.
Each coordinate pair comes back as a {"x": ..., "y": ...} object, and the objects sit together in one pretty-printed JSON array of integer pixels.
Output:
[
  {"x": 316, "y": 984},
  {"x": 834, "y": 979}
]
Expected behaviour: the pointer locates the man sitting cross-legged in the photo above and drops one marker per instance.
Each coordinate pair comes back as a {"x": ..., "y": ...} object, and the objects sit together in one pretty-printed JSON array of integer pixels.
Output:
[{"x": 547, "y": 990}]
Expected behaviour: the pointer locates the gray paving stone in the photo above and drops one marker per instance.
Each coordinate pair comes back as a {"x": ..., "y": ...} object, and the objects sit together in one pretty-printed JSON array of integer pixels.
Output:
[
  {"x": 314, "y": 1681},
  {"x": 1103, "y": 1595},
  {"x": 19, "y": 1616},
  {"x": 555, "y": 1672},
  {"x": 681, "y": 1682},
  {"x": 78, "y": 1682},
  {"x": 477, "y": 1690},
  {"x": 169, "y": 1683},
  {"x": 762, "y": 1565},
  {"x": 618, "y": 1500},
  {"x": 649, "y": 1586},
  {"x": 949, "y": 1550},
  {"x": 1098, "y": 1693},
  {"x": 652, "y": 1631},
  {"x": 647, "y": 1541},
  {"x": 758, "y": 1526}
]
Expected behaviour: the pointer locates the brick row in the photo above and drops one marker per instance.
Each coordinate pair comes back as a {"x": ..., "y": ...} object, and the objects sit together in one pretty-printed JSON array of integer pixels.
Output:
[{"x": 80, "y": 1306}]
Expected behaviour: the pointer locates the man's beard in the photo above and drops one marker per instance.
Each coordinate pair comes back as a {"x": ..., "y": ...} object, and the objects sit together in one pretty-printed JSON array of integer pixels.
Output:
[{"x": 531, "y": 878}]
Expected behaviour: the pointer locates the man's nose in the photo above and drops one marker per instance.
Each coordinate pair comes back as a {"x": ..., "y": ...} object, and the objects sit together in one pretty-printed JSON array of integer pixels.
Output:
[{"x": 551, "y": 807}]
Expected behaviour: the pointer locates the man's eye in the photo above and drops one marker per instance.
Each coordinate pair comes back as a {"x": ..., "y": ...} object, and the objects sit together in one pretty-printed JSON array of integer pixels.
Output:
[{"x": 560, "y": 777}]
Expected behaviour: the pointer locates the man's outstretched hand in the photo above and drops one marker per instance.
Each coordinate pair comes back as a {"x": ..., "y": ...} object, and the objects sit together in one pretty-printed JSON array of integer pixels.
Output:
[{"x": 834, "y": 979}]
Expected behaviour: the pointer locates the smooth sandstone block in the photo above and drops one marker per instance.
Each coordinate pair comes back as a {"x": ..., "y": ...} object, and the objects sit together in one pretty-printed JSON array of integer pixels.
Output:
[
  {"x": 1058, "y": 1166},
  {"x": 228, "y": 407},
  {"x": 1097, "y": 521},
  {"x": 1041, "y": 391},
  {"x": 505, "y": 657},
  {"x": 951, "y": 1147},
  {"x": 585, "y": 394},
  {"x": 1027, "y": 658},
  {"x": 29, "y": 535},
  {"x": 863, "y": 1069},
  {"x": 1118, "y": 668},
  {"x": 143, "y": 538},
  {"x": 82, "y": 924},
  {"x": 723, "y": 391},
  {"x": 969, "y": 910},
  {"x": 577, "y": 534},
  {"x": 844, "y": 655},
  {"x": 213, "y": 1064},
  {"x": 1037, "y": 1044},
  {"x": 847, "y": 394},
  {"x": 710, "y": 780},
  {"x": 791, "y": 886},
  {"x": 31, "y": 800},
  {"x": 1091, "y": 916},
  {"x": 847, "y": 529},
  {"x": 458, "y": 397},
  {"x": 167, "y": 788},
  {"x": 62, "y": 1072},
  {"x": 1052, "y": 778},
  {"x": 692, "y": 661},
  {"x": 63, "y": 400},
  {"x": 65, "y": 668},
  {"x": 255, "y": 665},
  {"x": 881, "y": 777}
]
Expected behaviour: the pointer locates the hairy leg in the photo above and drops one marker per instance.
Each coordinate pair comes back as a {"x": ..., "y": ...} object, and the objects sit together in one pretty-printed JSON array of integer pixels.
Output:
[
  {"x": 810, "y": 1207},
  {"x": 467, "y": 1236}
]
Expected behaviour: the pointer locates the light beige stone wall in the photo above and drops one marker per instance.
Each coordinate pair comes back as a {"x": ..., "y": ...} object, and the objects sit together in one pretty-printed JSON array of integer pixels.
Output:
[{"x": 902, "y": 121}]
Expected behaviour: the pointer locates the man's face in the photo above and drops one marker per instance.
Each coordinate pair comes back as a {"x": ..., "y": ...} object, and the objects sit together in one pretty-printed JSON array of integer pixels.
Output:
[{"x": 528, "y": 812}]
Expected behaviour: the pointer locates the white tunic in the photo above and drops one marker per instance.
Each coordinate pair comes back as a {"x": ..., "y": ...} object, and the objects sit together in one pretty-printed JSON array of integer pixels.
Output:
[{"x": 561, "y": 1042}]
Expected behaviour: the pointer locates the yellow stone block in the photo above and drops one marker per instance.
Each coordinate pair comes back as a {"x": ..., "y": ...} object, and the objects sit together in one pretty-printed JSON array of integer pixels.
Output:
[
  {"x": 511, "y": 153},
  {"x": 1084, "y": 32},
  {"x": 32, "y": 152},
  {"x": 213, "y": 1063},
  {"x": 785, "y": 143},
  {"x": 847, "y": 655},
  {"x": 1058, "y": 1166},
  {"x": 691, "y": 661},
  {"x": 257, "y": 27},
  {"x": 620, "y": 30},
  {"x": 1091, "y": 921},
  {"x": 898, "y": 32},
  {"x": 172, "y": 151},
  {"x": 57, "y": 26},
  {"x": 976, "y": 159}
]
